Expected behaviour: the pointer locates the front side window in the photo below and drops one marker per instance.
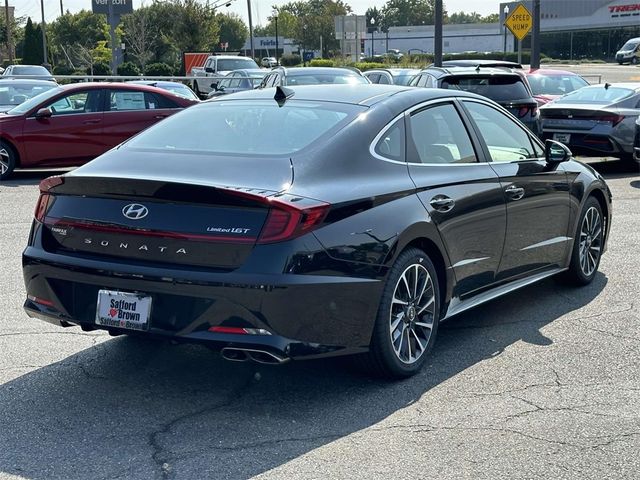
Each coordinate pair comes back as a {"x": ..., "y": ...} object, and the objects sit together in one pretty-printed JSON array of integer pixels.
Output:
[
  {"x": 74, "y": 103},
  {"x": 439, "y": 136},
  {"x": 505, "y": 139}
]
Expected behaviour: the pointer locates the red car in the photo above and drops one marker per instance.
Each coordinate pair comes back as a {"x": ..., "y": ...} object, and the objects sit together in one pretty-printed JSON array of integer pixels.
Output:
[
  {"x": 549, "y": 84},
  {"x": 72, "y": 124}
]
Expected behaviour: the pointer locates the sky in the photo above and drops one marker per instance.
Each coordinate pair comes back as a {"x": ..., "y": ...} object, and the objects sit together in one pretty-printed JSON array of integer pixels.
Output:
[{"x": 261, "y": 8}]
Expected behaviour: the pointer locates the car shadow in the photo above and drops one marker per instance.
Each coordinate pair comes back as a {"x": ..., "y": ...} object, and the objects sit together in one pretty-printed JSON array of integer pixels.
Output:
[
  {"x": 132, "y": 408},
  {"x": 614, "y": 168}
]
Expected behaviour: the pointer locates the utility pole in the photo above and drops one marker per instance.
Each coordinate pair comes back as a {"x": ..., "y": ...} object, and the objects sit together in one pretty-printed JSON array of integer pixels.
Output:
[
  {"x": 275, "y": 19},
  {"x": 535, "y": 38},
  {"x": 253, "y": 52},
  {"x": 9, "y": 32},
  {"x": 437, "y": 36},
  {"x": 61, "y": 8},
  {"x": 44, "y": 36},
  {"x": 112, "y": 35}
]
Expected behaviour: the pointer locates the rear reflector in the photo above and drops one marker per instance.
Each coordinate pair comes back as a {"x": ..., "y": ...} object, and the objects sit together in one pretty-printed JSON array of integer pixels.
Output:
[
  {"x": 41, "y": 301},
  {"x": 41, "y": 206},
  {"x": 240, "y": 331}
]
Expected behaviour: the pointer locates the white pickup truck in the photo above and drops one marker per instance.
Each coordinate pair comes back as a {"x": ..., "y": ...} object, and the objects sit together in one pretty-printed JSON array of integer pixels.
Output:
[{"x": 217, "y": 66}]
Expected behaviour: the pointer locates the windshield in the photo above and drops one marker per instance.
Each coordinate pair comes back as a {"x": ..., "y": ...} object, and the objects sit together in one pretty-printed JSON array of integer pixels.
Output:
[
  {"x": 34, "y": 101},
  {"x": 555, "y": 84},
  {"x": 225, "y": 64},
  {"x": 403, "y": 79},
  {"x": 17, "y": 93},
  {"x": 498, "y": 88},
  {"x": 597, "y": 94},
  {"x": 182, "y": 91},
  {"x": 29, "y": 70},
  {"x": 325, "y": 79},
  {"x": 256, "y": 127},
  {"x": 629, "y": 46}
]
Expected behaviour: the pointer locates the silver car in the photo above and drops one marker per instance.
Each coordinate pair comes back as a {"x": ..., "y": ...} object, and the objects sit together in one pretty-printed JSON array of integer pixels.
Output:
[{"x": 596, "y": 120}]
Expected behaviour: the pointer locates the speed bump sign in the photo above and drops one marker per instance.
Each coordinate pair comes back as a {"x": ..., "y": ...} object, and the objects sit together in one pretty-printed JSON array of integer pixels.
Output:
[{"x": 519, "y": 22}]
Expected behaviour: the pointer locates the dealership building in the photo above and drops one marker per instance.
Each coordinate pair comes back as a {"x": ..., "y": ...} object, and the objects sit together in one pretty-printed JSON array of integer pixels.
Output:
[{"x": 570, "y": 29}]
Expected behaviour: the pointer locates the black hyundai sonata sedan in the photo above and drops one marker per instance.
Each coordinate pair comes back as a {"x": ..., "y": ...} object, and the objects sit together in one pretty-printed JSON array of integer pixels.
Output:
[{"x": 283, "y": 224}]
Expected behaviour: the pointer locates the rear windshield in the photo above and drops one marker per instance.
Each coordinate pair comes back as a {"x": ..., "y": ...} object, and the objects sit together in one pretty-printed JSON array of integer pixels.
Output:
[
  {"x": 16, "y": 93},
  {"x": 325, "y": 79},
  {"x": 496, "y": 88},
  {"x": 247, "y": 127},
  {"x": 555, "y": 84},
  {"x": 403, "y": 79},
  {"x": 29, "y": 70},
  {"x": 597, "y": 94},
  {"x": 225, "y": 64}
]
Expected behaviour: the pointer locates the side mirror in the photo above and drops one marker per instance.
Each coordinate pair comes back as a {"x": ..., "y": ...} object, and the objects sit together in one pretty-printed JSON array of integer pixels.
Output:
[
  {"x": 556, "y": 152},
  {"x": 209, "y": 70},
  {"x": 44, "y": 113},
  {"x": 214, "y": 85}
]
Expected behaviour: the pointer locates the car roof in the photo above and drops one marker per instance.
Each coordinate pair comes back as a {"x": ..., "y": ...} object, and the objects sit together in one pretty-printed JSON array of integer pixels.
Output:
[
  {"x": 321, "y": 70},
  {"x": 463, "y": 62},
  {"x": 471, "y": 71},
  {"x": 360, "y": 94},
  {"x": 27, "y": 81},
  {"x": 628, "y": 85},
  {"x": 97, "y": 85},
  {"x": 550, "y": 72},
  {"x": 155, "y": 82},
  {"x": 396, "y": 72}
]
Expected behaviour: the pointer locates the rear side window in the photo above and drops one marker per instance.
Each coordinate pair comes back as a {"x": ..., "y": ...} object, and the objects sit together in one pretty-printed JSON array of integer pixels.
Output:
[
  {"x": 499, "y": 87},
  {"x": 256, "y": 128},
  {"x": 391, "y": 144},
  {"x": 439, "y": 136}
]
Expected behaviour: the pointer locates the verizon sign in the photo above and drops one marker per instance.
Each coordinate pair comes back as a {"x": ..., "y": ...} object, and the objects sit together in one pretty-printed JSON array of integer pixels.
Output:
[{"x": 120, "y": 7}]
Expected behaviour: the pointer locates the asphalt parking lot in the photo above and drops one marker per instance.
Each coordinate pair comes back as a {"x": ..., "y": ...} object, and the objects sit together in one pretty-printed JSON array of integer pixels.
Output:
[{"x": 542, "y": 383}]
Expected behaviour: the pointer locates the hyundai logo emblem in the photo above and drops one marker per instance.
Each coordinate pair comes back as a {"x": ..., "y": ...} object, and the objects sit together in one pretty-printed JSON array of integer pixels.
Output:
[{"x": 135, "y": 211}]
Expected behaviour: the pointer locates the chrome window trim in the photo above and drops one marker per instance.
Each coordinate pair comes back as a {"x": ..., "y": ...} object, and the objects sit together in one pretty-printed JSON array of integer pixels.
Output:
[{"x": 408, "y": 112}]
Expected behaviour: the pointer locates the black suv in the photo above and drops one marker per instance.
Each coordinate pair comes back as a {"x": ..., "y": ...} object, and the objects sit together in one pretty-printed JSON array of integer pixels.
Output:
[{"x": 501, "y": 85}]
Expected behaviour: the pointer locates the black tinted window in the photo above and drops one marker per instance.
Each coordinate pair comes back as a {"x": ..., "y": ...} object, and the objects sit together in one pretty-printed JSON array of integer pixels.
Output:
[
  {"x": 503, "y": 87},
  {"x": 391, "y": 145},
  {"x": 439, "y": 136},
  {"x": 505, "y": 139}
]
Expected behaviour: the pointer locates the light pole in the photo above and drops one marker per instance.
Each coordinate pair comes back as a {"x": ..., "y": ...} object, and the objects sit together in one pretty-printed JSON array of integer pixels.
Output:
[
  {"x": 275, "y": 20},
  {"x": 44, "y": 36},
  {"x": 373, "y": 22},
  {"x": 304, "y": 37},
  {"x": 437, "y": 35},
  {"x": 253, "y": 52},
  {"x": 506, "y": 12}
]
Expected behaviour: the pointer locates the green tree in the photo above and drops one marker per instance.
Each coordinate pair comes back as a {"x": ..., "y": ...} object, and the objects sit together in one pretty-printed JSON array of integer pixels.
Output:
[
  {"x": 408, "y": 12},
  {"x": 463, "y": 17},
  {"x": 287, "y": 26},
  {"x": 232, "y": 30},
  {"x": 32, "y": 50},
  {"x": 313, "y": 20}
]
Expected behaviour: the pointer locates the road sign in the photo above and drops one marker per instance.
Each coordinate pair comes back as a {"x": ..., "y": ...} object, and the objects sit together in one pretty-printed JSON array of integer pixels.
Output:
[
  {"x": 120, "y": 7},
  {"x": 519, "y": 22}
]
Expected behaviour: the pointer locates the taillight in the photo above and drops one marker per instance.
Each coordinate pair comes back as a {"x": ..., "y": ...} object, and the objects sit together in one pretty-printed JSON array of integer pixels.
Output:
[
  {"x": 50, "y": 182},
  {"x": 614, "y": 119},
  {"x": 286, "y": 221},
  {"x": 524, "y": 111},
  {"x": 41, "y": 206}
]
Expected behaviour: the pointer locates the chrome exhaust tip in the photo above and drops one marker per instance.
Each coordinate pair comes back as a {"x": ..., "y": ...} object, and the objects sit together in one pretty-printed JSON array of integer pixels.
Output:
[{"x": 234, "y": 354}]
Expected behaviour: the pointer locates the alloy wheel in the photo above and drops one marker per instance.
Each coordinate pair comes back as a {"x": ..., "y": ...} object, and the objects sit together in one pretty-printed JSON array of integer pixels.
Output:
[
  {"x": 590, "y": 241},
  {"x": 4, "y": 161},
  {"x": 412, "y": 313}
]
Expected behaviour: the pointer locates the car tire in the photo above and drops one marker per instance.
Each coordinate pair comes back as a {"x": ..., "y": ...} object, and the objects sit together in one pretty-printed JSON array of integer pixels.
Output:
[
  {"x": 407, "y": 320},
  {"x": 634, "y": 60},
  {"x": 7, "y": 160},
  {"x": 587, "y": 244}
]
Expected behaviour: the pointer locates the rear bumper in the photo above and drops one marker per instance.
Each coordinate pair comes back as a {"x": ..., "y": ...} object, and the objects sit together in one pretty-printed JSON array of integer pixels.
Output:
[
  {"x": 582, "y": 143},
  {"x": 307, "y": 315}
]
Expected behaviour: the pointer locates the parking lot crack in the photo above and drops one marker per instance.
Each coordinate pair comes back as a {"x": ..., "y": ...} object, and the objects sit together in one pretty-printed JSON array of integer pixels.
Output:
[{"x": 160, "y": 456}]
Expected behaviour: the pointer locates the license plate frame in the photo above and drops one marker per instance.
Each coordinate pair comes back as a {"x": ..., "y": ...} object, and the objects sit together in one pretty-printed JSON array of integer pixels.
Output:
[
  {"x": 131, "y": 311},
  {"x": 562, "y": 137}
]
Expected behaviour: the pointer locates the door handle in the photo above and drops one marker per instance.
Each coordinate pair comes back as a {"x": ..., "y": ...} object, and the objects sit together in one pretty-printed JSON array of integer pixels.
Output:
[
  {"x": 92, "y": 122},
  {"x": 515, "y": 193},
  {"x": 442, "y": 203}
]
